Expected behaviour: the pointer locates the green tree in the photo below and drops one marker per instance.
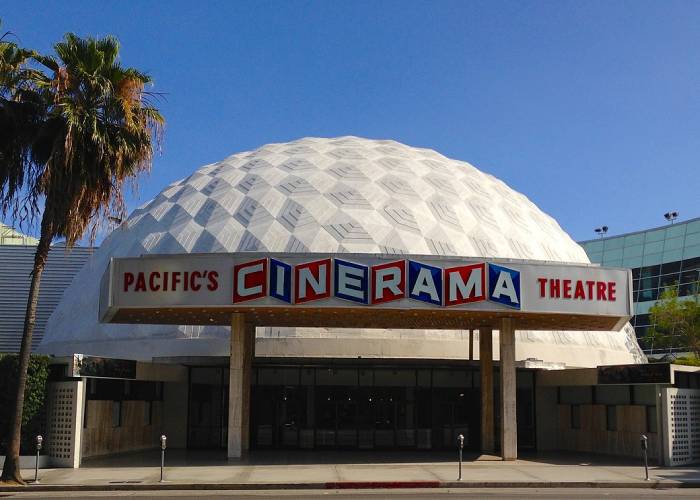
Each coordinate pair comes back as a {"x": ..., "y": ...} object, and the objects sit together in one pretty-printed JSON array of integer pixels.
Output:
[
  {"x": 676, "y": 320},
  {"x": 34, "y": 397},
  {"x": 90, "y": 128}
]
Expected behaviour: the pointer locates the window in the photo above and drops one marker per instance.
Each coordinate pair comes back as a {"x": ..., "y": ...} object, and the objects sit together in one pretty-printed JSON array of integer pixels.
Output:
[
  {"x": 649, "y": 271},
  {"x": 671, "y": 267},
  {"x": 643, "y": 319},
  {"x": 643, "y": 342},
  {"x": 690, "y": 275},
  {"x": 116, "y": 413},
  {"x": 653, "y": 247},
  {"x": 668, "y": 280},
  {"x": 613, "y": 244},
  {"x": 651, "y": 294},
  {"x": 687, "y": 289},
  {"x": 575, "y": 416},
  {"x": 649, "y": 282},
  {"x": 651, "y": 419},
  {"x": 693, "y": 263},
  {"x": 634, "y": 239},
  {"x": 641, "y": 331},
  {"x": 336, "y": 376},
  {"x": 611, "y": 418}
]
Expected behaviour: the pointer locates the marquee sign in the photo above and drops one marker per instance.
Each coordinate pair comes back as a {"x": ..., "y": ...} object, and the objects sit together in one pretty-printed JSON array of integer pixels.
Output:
[
  {"x": 311, "y": 281},
  {"x": 372, "y": 285}
]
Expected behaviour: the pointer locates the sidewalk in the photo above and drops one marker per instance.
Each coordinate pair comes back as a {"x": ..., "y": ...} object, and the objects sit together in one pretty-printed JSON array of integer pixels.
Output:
[{"x": 558, "y": 471}]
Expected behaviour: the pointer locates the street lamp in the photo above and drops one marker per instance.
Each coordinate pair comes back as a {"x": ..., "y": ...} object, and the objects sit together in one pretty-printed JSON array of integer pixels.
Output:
[
  {"x": 601, "y": 230},
  {"x": 671, "y": 216}
]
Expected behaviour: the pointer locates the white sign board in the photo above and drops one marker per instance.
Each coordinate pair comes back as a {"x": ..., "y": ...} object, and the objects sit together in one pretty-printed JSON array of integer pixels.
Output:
[{"x": 250, "y": 280}]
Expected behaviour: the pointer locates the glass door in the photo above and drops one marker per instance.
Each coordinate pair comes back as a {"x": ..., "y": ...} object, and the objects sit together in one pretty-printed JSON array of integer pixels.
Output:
[{"x": 208, "y": 410}]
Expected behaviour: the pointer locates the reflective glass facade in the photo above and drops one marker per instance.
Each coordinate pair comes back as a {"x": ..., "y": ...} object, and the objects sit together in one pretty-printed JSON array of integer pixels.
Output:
[
  {"x": 354, "y": 407},
  {"x": 659, "y": 258}
]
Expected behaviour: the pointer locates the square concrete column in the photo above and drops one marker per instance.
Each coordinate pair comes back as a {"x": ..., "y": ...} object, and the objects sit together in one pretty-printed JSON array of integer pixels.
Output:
[
  {"x": 486, "y": 369},
  {"x": 509, "y": 424},
  {"x": 242, "y": 351}
]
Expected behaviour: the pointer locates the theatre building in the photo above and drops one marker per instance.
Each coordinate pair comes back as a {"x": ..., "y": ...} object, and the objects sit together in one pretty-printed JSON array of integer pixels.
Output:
[{"x": 351, "y": 294}]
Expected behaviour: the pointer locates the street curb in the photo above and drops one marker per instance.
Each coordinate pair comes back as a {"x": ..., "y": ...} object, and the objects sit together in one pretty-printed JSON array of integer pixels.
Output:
[
  {"x": 337, "y": 485},
  {"x": 372, "y": 485}
]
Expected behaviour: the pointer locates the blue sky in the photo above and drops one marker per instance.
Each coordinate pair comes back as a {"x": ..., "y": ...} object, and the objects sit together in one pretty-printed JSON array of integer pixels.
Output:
[{"x": 591, "y": 109}]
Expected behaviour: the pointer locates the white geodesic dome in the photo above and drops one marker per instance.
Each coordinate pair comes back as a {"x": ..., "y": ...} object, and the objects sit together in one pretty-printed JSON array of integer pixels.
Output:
[{"x": 346, "y": 194}]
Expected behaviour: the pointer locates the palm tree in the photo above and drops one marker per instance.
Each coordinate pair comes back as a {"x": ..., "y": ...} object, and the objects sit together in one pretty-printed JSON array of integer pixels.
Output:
[{"x": 96, "y": 130}]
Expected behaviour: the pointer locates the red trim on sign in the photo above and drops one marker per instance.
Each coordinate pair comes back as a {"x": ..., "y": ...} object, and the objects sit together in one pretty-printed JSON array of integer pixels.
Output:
[
  {"x": 314, "y": 267},
  {"x": 388, "y": 296},
  {"x": 464, "y": 272},
  {"x": 254, "y": 279}
]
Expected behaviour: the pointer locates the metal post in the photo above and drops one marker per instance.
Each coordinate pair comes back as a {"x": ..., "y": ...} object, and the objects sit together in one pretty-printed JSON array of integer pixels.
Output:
[
  {"x": 163, "y": 440},
  {"x": 39, "y": 440},
  {"x": 460, "y": 443},
  {"x": 644, "y": 444}
]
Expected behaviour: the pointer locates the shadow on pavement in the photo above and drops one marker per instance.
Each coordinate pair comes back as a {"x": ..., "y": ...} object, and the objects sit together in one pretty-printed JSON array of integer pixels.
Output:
[{"x": 180, "y": 458}]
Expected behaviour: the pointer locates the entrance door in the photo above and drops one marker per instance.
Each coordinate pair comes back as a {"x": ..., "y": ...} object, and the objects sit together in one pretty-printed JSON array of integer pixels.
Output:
[
  {"x": 456, "y": 411},
  {"x": 366, "y": 408},
  {"x": 208, "y": 408}
]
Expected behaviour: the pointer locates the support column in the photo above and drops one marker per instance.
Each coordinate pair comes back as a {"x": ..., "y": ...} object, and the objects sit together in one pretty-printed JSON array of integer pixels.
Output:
[
  {"x": 509, "y": 424},
  {"x": 242, "y": 347},
  {"x": 486, "y": 369},
  {"x": 471, "y": 345}
]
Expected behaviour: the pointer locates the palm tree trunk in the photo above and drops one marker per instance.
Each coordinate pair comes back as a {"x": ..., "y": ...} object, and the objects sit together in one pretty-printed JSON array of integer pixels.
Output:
[{"x": 11, "y": 471}]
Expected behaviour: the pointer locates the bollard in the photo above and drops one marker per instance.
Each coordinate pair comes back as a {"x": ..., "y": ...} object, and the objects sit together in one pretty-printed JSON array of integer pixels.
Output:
[
  {"x": 163, "y": 439},
  {"x": 39, "y": 440},
  {"x": 644, "y": 444},
  {"x": 460, "y": 445}
]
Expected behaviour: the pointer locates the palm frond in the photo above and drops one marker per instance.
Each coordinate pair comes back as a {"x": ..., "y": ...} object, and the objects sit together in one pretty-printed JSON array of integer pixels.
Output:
[{"x": 93, "y": 130}]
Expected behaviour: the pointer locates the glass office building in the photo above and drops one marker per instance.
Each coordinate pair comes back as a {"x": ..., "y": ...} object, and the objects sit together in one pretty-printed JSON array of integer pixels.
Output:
[{"x": 660, "y": 257}]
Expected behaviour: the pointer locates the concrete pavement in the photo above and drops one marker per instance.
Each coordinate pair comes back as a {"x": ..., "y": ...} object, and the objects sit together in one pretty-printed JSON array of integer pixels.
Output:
[
  {"x": 413, "y": 494},
  {"x": 323, "y": 471}
]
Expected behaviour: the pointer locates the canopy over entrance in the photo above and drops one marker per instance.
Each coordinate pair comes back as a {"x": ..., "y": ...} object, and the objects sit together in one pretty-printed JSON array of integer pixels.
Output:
[{"x": 351, "y": 290}]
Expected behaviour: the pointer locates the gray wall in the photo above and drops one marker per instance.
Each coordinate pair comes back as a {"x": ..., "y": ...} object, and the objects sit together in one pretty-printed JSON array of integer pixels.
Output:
[{"x": 16, "y": 262}]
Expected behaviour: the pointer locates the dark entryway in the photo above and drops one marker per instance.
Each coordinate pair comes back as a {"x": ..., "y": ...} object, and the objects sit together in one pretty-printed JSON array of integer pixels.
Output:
[
  {"x": 373, "y": 407},
  {"x": 207, "y": 416},
  {"x": 345, "y": 407}
]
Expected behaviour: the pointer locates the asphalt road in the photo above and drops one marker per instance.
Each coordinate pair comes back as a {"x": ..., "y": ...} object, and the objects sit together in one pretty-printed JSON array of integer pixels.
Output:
[{"x": 495, "y": 493}]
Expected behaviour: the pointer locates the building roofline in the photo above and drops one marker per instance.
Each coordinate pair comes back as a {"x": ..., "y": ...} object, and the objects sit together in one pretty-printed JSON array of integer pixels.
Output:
[{"x": 640, "y": 231}]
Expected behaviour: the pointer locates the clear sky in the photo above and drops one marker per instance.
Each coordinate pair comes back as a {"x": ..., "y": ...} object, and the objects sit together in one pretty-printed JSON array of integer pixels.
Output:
[{"x": 590, "y": 108}]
